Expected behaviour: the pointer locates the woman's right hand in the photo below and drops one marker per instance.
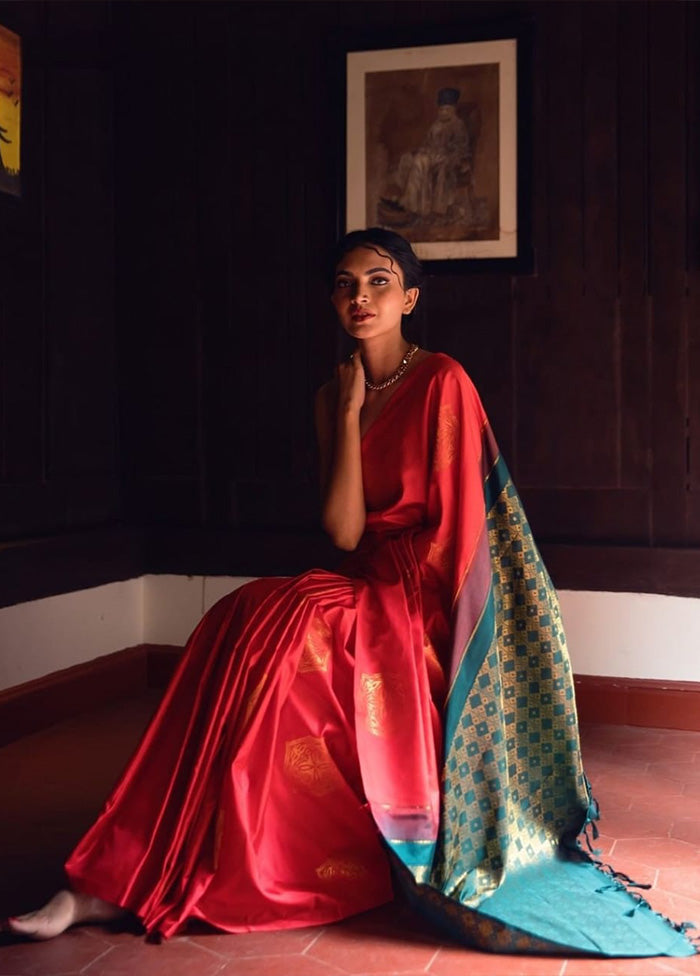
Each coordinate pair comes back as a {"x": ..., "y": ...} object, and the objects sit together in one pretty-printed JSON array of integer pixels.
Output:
[
  {"x": 351, "y": 384},
  {"x": 344, "y": 514}
]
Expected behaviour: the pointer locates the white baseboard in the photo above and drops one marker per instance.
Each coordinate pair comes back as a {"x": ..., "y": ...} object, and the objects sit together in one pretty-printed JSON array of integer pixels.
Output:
[{"x": 626, "y": 635}]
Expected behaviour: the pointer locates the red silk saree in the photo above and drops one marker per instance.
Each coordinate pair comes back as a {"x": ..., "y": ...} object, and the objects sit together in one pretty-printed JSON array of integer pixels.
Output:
[{"x": 413, "y": 710}]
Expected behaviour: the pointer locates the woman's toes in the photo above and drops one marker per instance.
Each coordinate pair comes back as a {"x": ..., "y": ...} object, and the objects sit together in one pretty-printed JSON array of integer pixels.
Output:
[
  {"x": 47, "y": 922},
  {"x": 65, "y": 909}
]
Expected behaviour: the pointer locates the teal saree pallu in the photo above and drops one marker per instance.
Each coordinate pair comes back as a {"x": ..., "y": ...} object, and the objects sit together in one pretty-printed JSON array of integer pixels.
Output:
[{"x": 508, "y": 873}]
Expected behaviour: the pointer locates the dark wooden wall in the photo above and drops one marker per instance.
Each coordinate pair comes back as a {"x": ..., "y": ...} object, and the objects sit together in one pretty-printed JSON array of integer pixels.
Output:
[
  {"x": 59, "y": 460},
  {"x": 225, "y": 159}
]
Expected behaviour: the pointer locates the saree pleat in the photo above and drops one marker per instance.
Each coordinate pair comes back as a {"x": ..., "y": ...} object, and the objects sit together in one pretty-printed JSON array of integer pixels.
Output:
[
  {"x": 243, "y": 805},
  {"x": 414, "y": 711}
]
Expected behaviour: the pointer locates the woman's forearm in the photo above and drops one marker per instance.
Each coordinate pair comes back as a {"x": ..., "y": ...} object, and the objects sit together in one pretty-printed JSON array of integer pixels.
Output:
[{"x": 344, "y": 512}]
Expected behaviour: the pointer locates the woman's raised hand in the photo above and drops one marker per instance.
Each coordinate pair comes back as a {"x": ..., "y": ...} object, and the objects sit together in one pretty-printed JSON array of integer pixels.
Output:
[
  {"x": 351, "y": 383},
  {"x": 344, "y": 513}
]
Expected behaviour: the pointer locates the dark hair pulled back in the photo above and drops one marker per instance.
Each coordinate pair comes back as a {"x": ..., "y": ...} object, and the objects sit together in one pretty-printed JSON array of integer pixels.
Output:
[{"x": 396, "y": 246}]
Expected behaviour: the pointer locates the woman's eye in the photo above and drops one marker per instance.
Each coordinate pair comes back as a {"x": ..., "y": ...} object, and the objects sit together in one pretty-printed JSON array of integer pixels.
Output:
[
  {"x": 342, "y": 283},
  {"x": 380, "y": 281}
]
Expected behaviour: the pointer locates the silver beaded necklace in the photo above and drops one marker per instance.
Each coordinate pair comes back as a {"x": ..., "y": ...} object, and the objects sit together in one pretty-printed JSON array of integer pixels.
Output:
[{"x": 398, "y": 372}]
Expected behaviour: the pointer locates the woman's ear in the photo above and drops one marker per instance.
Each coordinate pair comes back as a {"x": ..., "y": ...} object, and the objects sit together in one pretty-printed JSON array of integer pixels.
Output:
[{"x": 410, "y": 299}]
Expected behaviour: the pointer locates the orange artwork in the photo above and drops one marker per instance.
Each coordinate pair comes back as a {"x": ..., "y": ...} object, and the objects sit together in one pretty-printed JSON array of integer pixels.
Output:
[{"x": 10, "y": 105}]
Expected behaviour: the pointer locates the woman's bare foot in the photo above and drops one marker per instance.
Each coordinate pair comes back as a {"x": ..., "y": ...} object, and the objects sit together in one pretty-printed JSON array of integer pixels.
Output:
[{"x": 66, "y": 908}]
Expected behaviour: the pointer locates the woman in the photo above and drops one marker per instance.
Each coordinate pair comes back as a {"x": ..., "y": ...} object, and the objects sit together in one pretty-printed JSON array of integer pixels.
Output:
[{"x": 414, "y": 710}]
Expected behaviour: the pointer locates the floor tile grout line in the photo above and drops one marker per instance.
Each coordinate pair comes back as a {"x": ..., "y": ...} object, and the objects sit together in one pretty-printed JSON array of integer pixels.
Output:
[
  {"x": 433, "y": 958},
  {"x": 205, "y": 948},
  {"x": 90, "y": 932},
  {"x": 314, "y": 940},
  {"x": 97, "y": 958}
]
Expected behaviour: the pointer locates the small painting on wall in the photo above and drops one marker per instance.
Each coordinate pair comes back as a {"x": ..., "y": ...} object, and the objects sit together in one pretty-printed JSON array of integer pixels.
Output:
[{"x": 10, "y": 106}]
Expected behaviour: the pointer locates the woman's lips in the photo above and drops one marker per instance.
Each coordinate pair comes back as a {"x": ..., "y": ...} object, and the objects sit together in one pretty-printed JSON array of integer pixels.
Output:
[{"x": 361, "y": 316}]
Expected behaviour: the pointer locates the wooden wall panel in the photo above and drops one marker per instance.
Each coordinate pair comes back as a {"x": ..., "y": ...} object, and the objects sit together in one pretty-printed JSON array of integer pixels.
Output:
[
  {"x": 79, "y": 275},
  {"x": 609, "y": 515},
  {"x": 693, "y": 266},
  {"x": 274, "y": 471},
  {"x": 546, "y": 397},
  {"x": 632, "y": 232},
  {"x": 274, "y": 265},
  {"x": 599, "y": 30},
  {"x": 572, "y": 335},
  {"x": 597, "y": 370},
  {"x": 248, "y": 261},
  {"x": 22, "y": 326},
  {"x": 22, "y": 323},
  {"x": 59, "y": 455},
  {"x": 22, "y": 365},
  {"x": 215, "y": 141},
  {"x": 668, "y": 236},
  {"x": 156, "y": 239}
]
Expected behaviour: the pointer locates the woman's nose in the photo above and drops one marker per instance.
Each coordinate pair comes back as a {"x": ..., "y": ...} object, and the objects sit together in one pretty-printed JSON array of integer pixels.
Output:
[{"x": 358, "y": 293}]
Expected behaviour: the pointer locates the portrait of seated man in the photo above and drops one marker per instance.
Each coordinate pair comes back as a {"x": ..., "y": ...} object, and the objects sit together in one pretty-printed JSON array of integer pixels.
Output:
[{"x": 432, "y": 186}]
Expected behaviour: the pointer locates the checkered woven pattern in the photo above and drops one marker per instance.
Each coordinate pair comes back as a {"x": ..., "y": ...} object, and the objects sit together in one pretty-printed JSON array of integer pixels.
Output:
[{"x": 513, "y": 782}]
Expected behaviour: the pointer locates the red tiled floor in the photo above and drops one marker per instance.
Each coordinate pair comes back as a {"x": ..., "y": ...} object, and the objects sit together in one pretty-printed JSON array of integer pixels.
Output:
[
  {"x": 686, "y": 772},
  {"x": 647, "y": 782},
  {"x": 281, "y": 966},
  {"x": 683, "y": 880},
  {"x": 178, "y": 957},
  {"x": 453, "y": 962},
  {"x": 680, "y": 966},
  {"x": 669, "y": 807},
  {"x": 672, "y": 905},
  {"x": 286, "y": 943},
  {"x": 69, "y": 955},
  {"x": 357, "y": 952},
  {"x": 615, "y": 967},
  {"x": 632, "y": 823},
  {"x": 687, "y": 830},
  {"x": 654, "y": 851}
]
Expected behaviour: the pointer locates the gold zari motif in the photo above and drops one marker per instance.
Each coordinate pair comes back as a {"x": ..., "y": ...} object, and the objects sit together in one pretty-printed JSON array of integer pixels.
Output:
[
  {"x": 341, "y": 868},
  {"x": 309, "y": 765},
  {"x": 383, "y": 696},
  {"x": 375, "y": 702},
  {"x": 317, "y": 647},
  {"x": 447, "y": 435}
]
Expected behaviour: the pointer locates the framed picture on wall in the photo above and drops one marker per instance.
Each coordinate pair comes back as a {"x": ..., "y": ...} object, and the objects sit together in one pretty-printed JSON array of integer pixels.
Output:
[
  {"x": 10, "y": 106},
  {"x": 432, "y": 150}
]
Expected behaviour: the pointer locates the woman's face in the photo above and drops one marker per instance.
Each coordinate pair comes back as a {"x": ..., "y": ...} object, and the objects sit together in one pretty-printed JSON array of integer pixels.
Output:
[{"x": 368, "y": 293}]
